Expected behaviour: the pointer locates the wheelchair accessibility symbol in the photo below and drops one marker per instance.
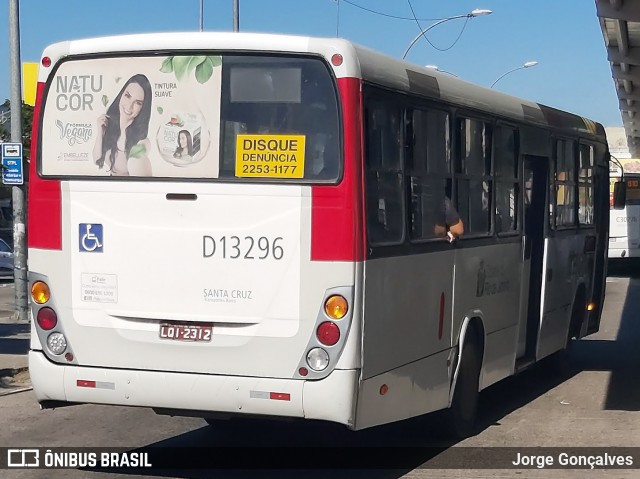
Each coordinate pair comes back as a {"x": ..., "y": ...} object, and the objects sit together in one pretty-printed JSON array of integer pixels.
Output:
[{"x": 91, "y": 238}]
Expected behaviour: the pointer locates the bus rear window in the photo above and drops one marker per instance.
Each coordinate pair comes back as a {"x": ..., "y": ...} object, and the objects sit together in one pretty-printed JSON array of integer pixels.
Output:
[
  {"x": 279, "y": 119},
  {"x": 231, "y": 117}
]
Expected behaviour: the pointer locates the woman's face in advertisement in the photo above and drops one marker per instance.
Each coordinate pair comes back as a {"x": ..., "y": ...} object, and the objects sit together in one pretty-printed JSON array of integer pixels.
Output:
[{"x": 131, "y": 101}]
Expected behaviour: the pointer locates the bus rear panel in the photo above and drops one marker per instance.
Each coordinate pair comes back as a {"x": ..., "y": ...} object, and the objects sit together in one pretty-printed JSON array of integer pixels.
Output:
[{"x": 180, "y": 207}]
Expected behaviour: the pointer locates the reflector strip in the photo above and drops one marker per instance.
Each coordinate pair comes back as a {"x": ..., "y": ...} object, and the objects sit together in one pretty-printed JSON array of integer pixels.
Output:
[
  {"x": 83, "y": 383},
  {"x": 270, "y": 395},
  {"x": 280, "y": 396}
]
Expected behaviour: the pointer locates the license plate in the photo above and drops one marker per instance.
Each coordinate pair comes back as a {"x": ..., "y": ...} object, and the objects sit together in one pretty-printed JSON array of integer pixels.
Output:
[{"x": 186, "y": 332}]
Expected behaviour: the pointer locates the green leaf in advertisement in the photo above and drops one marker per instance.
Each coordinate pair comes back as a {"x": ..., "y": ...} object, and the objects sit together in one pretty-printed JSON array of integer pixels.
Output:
[
  {"x": 195, "y": 61},
  {"x": 216, "y": 61},
  {"x": 105, "y": 100},
  {"x": 204, "y": 71},
  {"x": 167, "y": 65},
  {"x": 160, "y": 110},
  {"x": 180, "y": 65},
  {"x": 137, "y": 151}
]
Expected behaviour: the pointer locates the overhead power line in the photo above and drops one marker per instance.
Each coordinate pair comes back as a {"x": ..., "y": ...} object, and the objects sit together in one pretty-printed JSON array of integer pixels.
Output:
[
  {"x": 389, "y": 15},
  {"x": 417, "y": 20}
]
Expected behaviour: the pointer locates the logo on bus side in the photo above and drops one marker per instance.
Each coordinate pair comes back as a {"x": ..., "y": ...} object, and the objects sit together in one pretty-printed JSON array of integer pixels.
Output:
[
  {"x": 221, "y": 295},
  {"x": 90, "y": 238}
]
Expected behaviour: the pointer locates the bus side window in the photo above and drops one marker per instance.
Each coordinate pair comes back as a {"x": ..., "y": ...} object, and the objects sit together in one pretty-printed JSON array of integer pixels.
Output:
[
  {"x": 474, "y": 182},
  {"x": 384, "y": 183},
  {"x": 506, "y": 179}
]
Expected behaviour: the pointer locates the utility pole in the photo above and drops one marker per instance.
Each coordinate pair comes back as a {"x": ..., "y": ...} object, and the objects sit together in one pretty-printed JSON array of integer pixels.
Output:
[
  {"x": 19, "y": 230},
  {"x": 201, "y": 14},
  {"x": 236, "y": 15}
]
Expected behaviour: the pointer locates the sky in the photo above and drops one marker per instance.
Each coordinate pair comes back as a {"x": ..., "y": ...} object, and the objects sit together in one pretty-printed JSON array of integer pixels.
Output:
[{"x": 564, "y": 36}]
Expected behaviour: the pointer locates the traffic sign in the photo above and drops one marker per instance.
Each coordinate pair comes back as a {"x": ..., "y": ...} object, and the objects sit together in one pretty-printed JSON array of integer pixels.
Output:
[{"x": 12, "y": 164}]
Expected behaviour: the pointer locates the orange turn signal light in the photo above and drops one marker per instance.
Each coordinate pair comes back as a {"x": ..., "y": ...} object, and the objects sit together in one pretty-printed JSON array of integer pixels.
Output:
[
  {"x": 40, "y": 292},
  {"x": 336, "y": 306}
]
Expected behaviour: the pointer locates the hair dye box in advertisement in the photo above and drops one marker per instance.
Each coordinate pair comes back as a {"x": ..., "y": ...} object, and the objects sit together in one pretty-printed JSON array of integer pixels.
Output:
[{"x": 179, "y": 139}]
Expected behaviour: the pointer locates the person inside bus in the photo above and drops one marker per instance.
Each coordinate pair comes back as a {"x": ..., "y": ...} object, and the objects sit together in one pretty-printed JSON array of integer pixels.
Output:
[
  {"x": 448, "y": 221},
  {"x": 121, "y": 143},
  {"x": 184, "y": 151}
]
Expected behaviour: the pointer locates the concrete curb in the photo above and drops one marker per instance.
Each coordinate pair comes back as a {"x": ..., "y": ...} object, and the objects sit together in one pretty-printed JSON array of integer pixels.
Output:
[{"x": 16, "y": 391}]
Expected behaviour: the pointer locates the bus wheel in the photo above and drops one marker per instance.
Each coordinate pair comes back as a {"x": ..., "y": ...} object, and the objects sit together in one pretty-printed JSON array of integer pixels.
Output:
[
  {"x": 578, "y": 315},
  {"x": 460, "y": 418}
]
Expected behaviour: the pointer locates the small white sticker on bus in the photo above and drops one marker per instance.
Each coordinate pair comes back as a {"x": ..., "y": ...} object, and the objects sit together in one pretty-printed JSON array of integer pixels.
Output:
[{"x": 99, "y": 288}]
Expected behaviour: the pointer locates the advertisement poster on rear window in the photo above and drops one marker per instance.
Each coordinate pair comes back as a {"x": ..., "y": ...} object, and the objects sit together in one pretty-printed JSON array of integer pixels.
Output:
[{"x": 139, "y": 117}]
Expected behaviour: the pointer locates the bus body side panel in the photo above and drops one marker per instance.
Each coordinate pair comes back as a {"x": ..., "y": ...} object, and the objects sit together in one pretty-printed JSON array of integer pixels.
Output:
[
  {"x": 566, "y": 267},
  {"x": 403, "y": 346},
  {"x": 487, "y": 280},
  {"x": 406, "y": 337}
]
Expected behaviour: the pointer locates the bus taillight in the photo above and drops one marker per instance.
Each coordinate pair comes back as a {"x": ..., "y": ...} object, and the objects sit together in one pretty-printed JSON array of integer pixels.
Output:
[
  {"x": 57, "y": 343},
  {"x": 47, "y": 319},
  {"x": 336, "y": 306},
  {"x": 328, "y": 333},
  {"x": 40, "y": 292},
  {"x": 318, "y": 359}
]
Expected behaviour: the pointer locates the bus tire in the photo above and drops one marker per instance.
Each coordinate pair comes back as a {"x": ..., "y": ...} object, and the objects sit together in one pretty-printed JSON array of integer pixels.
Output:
[
  {"x": 460, "y": 418},
  {"x": 578, "y": 315}
]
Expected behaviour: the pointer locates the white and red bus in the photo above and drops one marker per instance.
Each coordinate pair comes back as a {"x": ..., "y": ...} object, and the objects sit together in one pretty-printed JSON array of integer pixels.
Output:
[
  {"x": 243, "y": 224},
  {"x": 624, "y": 230}
]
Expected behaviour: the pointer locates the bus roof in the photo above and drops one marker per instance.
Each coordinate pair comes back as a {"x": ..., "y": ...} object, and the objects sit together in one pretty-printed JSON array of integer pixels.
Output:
[{"x": 359, "y": 62}]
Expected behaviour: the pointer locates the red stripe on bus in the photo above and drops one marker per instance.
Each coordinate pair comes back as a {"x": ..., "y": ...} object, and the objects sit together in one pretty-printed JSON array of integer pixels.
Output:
[
  {"x": 337, "y": 229},
  {"x": 83, "y": 383},
  {"x": 45, "y": 197},
  {"x": 441, "y": 319},
  {"x": 280, "y": 396}
]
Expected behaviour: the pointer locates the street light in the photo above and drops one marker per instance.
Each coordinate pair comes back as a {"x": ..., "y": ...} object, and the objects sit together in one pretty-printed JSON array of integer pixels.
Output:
[
  {"x": 474, "y": 13},
  {"x": 526, "y": 65}
]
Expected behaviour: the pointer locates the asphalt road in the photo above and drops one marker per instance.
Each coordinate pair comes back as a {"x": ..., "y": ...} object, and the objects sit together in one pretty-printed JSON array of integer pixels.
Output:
[{"x": 590, "y": 400}]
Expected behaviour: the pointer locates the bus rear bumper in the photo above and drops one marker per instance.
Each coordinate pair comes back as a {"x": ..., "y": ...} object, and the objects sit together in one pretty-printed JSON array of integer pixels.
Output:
[{"x": 330, "y": 399}]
